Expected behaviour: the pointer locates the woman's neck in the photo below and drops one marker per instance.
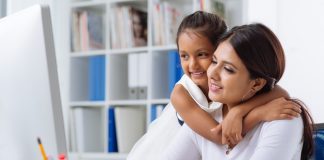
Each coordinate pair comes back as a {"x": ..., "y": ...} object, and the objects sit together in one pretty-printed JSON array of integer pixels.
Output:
[
  {"x": 204, "y": 89},
  {"x": 226, "y": 108}
]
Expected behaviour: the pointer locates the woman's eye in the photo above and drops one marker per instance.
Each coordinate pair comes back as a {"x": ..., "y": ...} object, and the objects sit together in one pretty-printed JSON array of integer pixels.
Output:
[
  {"x": 229, "y": 70},
  {"x": 214, "y": 61}
]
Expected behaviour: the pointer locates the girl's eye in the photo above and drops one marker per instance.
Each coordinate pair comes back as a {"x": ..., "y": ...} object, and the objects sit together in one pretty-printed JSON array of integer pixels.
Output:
[
  {"x": 229, "y": 70},
  {"x": 184, "y": 56},
  {"x": 203, "y": 54}
]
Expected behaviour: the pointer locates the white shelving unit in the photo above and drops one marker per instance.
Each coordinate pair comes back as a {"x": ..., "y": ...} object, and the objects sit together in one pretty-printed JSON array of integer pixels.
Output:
[{"x": 116, "y": 69}]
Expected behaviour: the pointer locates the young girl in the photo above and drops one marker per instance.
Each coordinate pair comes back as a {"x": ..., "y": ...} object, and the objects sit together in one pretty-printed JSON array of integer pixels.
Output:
[
  {"x": 196, "y": 41},
  {"x": 249, "y": 61}
]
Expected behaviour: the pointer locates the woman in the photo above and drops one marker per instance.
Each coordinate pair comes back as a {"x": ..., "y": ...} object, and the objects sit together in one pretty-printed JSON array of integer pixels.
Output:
[{"x": 248, "y": 61}]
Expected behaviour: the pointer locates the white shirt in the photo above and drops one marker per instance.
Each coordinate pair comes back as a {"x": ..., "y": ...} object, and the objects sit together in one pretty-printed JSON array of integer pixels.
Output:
[
  {"x": 276, "y": 140},
  {"x": 162, "y": 131}
]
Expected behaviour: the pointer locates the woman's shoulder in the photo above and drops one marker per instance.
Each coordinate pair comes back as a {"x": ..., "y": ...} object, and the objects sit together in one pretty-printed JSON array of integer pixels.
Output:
[
  {"x": 291, "y": 127},
  {"x": 286, "y": 123}
]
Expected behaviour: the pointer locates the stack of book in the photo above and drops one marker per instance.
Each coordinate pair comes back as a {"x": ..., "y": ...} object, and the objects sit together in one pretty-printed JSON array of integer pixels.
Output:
[
  {"x": 166, "y": 20},
  {"x": 87, "y": 31},
  {"x": 128, "y": 27}
]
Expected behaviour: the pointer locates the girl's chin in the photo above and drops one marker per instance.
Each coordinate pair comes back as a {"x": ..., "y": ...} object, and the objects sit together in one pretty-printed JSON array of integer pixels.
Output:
[
  {"x": 201, "y": 82},
  {"x": 214, "y": 97}
]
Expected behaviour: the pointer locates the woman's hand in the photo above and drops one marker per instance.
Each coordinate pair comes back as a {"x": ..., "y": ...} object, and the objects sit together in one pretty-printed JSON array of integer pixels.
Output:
[
  {"x": 278, "y": 109},
  {"x": 232, "y": 127}
]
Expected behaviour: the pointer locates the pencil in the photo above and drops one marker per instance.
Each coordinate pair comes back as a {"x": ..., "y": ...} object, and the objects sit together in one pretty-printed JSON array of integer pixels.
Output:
[{"x": 41, "y": 148}]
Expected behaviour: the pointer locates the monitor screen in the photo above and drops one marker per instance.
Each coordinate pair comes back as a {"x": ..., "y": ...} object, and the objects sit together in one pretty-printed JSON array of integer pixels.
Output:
[{"x": 30, "y": 104}]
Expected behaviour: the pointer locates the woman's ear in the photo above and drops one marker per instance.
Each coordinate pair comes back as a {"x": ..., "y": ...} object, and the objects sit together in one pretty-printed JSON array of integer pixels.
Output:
[{"x": 259, "y": 83}]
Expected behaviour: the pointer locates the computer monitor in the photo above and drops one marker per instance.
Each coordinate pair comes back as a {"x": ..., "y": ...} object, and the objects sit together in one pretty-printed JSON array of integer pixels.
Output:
[{"x": 30, "y": 104}]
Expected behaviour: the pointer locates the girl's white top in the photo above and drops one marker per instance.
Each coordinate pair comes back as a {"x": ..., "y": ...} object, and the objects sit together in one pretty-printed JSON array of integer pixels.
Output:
[{"x": 163, "y": 130}]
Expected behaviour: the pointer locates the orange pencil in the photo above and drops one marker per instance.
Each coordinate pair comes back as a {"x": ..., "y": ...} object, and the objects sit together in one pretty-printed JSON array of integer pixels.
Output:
[{"x": 41, "y": 148}]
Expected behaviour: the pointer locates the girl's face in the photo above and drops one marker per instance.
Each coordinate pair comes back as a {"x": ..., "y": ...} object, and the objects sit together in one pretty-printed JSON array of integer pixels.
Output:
[
  {"x": 195, "y": 54},
  {"x": 228, "y": 79}
]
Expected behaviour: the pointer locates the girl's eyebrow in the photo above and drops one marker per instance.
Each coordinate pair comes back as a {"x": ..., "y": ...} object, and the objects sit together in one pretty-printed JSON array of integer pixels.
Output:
[
  {"x": 182, "y": 51},
  {"x": 201, "y": 49}
]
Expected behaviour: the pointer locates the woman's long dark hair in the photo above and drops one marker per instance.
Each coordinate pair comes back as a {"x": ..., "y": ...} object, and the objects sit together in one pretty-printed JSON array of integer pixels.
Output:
[
  {"x": 261, "y": 52},
  {"x": 308, "y": 146}
]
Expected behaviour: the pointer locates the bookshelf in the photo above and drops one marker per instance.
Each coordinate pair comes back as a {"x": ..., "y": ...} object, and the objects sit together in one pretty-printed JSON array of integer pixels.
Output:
[{"x": 112, "y": 68}]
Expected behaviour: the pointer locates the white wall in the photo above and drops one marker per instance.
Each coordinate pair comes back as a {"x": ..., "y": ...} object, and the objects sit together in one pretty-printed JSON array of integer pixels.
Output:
[{"x": 300, "y": 27}]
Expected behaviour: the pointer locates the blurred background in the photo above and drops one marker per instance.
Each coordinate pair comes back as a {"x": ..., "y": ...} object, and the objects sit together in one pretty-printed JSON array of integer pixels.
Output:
[{"x": 117, "y": 60}]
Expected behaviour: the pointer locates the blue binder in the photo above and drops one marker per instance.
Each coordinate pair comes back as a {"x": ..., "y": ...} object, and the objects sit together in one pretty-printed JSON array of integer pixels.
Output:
[
  {"x": 112, "y": 138},
  {"x": 153, "y": 113},
  {"x": 174, "y": 69},
  {"x": 97, "y": 75}
]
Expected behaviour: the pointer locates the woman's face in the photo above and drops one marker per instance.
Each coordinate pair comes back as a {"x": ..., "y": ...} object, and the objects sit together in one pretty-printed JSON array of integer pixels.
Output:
[
  {"x": 195, "y": 54},
  {"x": 228, "y": 79}
]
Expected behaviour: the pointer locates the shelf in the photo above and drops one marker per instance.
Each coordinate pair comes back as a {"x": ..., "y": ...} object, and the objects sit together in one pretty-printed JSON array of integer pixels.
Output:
[
  {"x": 87, "y": 103},
  {"x": 160, "y": 101},
  {"x": 128, "y": 50},
  {"x": 127, "y": 102},
  {"x": 97, "y": 156},
  {"x": 120, "y": 1},
  {"x": 88, "y": 53},
  {"x": 81, "y": 4},
  {"x": 164, "y": 48}
]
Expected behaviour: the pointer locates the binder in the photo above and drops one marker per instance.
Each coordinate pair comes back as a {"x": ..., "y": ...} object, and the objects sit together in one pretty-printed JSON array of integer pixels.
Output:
[
  {"x": 97, "y": 74},
  {"x": 130, "y": 126},
  {"x": 112, "y": 137},
  {"x": 133, "y": 77},
  {"x": 142, "y": 75},
  {"x": 156, "y": 111},
  {"x": 174, "y": 69},
  {"x": 88, "y": 129}
]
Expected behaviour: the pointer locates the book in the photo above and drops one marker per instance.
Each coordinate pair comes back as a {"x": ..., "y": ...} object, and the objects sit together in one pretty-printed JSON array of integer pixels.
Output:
[
  {"x": 96, "y": 79},
  {"x": 88, "y": 129},
  {"x": 130, "y": 126},
  {"x": 95, "y": 30},
  {"x": 129, "y": 27},
  {"x": 133, "y": 76},
  {"x": 143, "y": 70},
  {"x": 87, "y": 30},
  {"x": 84, "y": 32},
  {"x": 112, "y": 137},
  {"x": 166, "y": 20},
  {"x": 174, "y": 69},
  {"x": 156, "y": 111},
  {"x": 139, "y": 27},
  {"x": 75, "y": 32}
]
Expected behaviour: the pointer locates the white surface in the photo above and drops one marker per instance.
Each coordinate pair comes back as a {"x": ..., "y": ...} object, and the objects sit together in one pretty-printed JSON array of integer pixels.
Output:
[
  {"x": 30, "y": 105},
  {"x": 299, "y": 27}
]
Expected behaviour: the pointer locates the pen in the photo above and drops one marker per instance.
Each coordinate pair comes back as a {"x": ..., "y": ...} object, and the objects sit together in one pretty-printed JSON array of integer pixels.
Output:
[{"x": 41, "y": 148}]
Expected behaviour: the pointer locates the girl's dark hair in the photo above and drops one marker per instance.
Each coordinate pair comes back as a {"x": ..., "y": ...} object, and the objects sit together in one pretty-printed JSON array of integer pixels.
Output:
[
  {"x": 262, "y": 54},
  {"x": 206, "y": 24}
]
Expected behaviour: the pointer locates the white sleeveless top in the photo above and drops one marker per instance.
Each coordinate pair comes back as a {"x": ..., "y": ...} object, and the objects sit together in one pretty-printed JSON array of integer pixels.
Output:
[{"x": 163, "y": 130}]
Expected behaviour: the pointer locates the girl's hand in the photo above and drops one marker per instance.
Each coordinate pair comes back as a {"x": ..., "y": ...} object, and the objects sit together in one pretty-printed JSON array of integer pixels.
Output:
[
  {"x": 232, "y": 127},
  {"x": 278, "y": 109}
]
